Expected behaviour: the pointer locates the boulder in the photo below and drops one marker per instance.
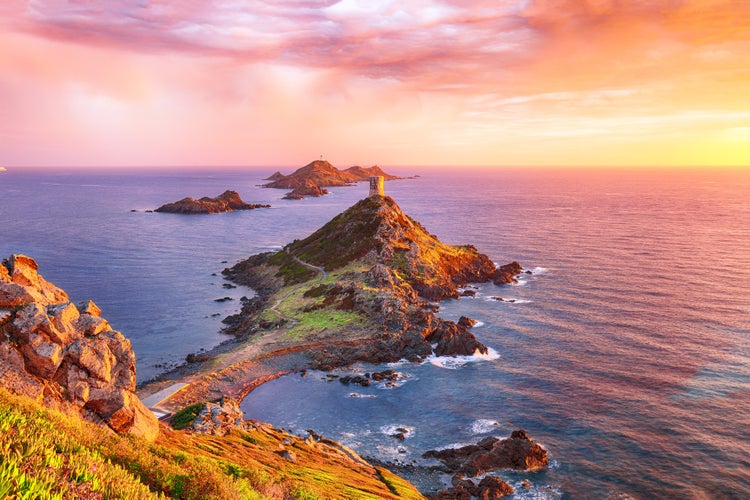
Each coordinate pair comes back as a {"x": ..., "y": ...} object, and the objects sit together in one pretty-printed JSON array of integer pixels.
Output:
[
  {"x": 515, "y": 452},
  {"x": 70, "y": 354},
  {"x": 454, "y": 340},
  {"x": 507, "y": 273},
  {"x": 219, "y": 418},
  {"x": 466, "y": 322}
]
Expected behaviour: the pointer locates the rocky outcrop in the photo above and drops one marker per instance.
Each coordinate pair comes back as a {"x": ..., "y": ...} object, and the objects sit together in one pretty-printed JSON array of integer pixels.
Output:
[
  {"x": 228, "y": 201},
  {"x": 517, "y": 452},
  {"x": 219, "y": 418},
  {"x": 489, "y": 488},
  {"x": 319, "y": 174},
  {"x": 309, "y": 188},
  {"x": 67, "y": 353}
]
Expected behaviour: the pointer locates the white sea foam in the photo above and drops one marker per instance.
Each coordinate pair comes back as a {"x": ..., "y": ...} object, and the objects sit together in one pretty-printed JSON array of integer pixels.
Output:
[
  {"x": 478, "y": 324},
  {"x": 363, "y": 396},
  {"x": 484, "y": 426},
  {"x": 509, "y": 300},
  {"x": 539, "y": 270},
  {"x": 456, "y": 362},
  {"x": 391, "y": 429}
]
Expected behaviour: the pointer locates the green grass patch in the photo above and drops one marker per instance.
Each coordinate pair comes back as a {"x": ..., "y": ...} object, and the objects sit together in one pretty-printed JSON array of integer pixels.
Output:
[
  {"x": 185, "y": 417},
  {"x": 326, "y": 320}
]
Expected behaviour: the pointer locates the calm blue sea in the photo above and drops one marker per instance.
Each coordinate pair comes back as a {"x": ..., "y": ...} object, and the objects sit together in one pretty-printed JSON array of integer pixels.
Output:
[{"x": 626, "y": 353}]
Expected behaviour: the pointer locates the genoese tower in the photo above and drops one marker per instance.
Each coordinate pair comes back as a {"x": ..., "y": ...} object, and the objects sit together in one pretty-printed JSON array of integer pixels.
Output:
[{"x": 377, "y": 186}]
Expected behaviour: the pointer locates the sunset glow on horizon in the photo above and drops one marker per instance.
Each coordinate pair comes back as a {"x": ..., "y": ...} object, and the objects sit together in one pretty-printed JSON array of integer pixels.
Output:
[{"x": 508, "y": 83}]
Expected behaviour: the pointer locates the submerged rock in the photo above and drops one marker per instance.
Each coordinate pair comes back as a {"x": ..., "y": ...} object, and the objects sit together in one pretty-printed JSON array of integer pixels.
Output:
[{"x": 67, "y": 353}]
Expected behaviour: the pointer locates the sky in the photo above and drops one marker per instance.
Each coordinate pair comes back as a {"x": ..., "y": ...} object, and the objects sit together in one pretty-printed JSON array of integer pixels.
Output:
[{"x": 364, "y": 82}]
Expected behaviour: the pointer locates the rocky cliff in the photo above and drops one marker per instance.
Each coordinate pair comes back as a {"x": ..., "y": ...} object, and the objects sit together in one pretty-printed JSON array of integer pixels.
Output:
[
  {"x": 65, "y": 353},
  {"x": 227, "y": 201}
]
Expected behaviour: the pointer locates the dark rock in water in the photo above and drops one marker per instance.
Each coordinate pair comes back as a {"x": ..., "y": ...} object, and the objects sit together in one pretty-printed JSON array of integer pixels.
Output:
[
  {"x": 399, "y": 435},
  {"x": 455, "y": 340},
  {"x": 468, "y": 293},
  {"x": 499, "y": 299},
  {"x": 355, "y": 379},
  {"x": 228, "y": 201},
  {"x": 488, "y": 488},
  {"x": 228, "y": 286},
  {"x": 516, "y": 452},
  {"x": 223, "y": 299},
  {"x": 493, "y": 487},
  {"x": 466, "y": 322},
  {"x": 528, "y": 272},
  {"x": 507, "y": 273},
  {"x": 385, "y": 375}
]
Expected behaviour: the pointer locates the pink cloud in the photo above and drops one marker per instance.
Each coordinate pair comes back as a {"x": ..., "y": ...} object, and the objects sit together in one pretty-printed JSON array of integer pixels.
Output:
[{"x": 210, "y": 81}]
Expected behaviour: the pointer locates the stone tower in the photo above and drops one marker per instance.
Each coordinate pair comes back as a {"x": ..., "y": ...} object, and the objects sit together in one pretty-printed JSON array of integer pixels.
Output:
[{"x": 376, "y": 186}]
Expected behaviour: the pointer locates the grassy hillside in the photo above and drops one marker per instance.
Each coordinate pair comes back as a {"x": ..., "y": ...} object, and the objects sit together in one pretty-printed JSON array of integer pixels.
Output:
[{"x": 45, "y": 454}]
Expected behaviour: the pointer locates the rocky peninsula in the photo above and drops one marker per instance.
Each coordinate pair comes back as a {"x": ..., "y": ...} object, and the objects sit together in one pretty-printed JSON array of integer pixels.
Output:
[
  {"x": 363, "y": 287},
  {"x": 313, "y": 177},
  {"x": 227, "y": 201}
]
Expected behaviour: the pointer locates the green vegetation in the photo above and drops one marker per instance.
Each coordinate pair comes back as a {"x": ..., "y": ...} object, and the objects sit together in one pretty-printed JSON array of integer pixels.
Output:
[
  {"x": 185, "y": 417},
  {"x": 46, "y": 454},
  {"x": 347, "y": 237},
  {"x": 322, "y": 320},
  {"x": 292, "y": 271}
]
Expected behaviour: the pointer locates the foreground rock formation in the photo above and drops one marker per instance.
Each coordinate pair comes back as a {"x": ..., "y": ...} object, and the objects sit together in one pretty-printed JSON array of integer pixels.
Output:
[
  {"x": 227, "y": 201},
  {"x": 64, "y": 353},
  {"x": 310, "y": 179},
  {"x": 369, "y": 275}
]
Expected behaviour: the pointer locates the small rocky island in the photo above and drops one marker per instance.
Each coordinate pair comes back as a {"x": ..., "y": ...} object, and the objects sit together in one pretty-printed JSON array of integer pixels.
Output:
[
  {"x": 227, "y": 201},
  {"x": 313, "y": 177}
]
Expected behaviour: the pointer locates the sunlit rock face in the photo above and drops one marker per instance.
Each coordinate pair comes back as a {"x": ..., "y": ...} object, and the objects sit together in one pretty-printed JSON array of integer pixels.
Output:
[{"x": 52, "y": 348}]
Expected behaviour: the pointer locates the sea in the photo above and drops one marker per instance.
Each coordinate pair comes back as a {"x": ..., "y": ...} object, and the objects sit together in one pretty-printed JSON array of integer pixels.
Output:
[{"x": 624, "y": 351}]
